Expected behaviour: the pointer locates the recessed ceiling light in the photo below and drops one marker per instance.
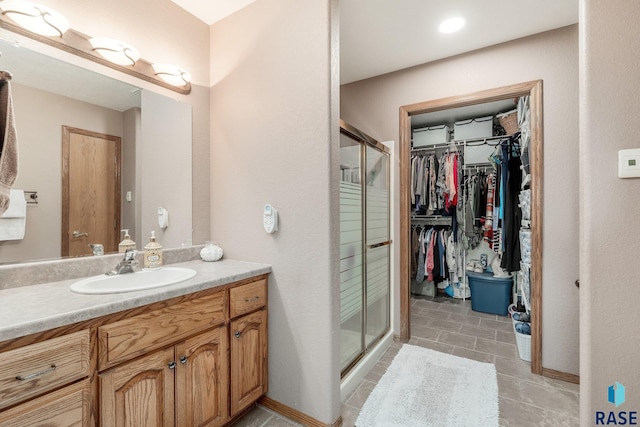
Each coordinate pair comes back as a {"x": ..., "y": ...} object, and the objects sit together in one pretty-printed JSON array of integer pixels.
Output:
[{"x": 451, "y": 25}]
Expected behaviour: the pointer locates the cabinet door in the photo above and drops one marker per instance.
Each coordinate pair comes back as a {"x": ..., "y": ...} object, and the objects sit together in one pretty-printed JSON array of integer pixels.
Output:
[
  {"x": 139, "y": 393},
  {"x": 202, "y": 380},
  {"x": 248, "y": 360}
]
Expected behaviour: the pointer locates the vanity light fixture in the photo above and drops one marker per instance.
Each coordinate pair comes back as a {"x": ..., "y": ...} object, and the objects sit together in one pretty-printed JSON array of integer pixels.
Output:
[
  {"x": 451, "y": 25},
  {"x": 115, "y": 51},
  {"x": 172, "y": 74},
  {"x": 35, "y": 18}
]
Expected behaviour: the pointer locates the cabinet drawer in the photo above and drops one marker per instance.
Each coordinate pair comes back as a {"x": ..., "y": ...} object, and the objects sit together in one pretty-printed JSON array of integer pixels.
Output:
[
  {"x": 37, "y": 368},
  {"x": 65, "y": 407},
  {"x": 128, "y": 338},
  {"x": 249, "y": 297}
]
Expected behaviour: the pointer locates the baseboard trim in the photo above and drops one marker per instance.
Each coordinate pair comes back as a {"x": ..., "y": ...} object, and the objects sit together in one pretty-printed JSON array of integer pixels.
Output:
[
  {"x": 296, "y": 415},
  {"x": 558, "y": 375}
]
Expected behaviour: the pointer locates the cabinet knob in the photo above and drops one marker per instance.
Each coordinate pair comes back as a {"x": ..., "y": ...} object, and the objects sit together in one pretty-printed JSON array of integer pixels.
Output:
[
  {"x": 237, "y": 334},
  {"x": 183, "y": 359},
  {"x": 172, "y": 364}
]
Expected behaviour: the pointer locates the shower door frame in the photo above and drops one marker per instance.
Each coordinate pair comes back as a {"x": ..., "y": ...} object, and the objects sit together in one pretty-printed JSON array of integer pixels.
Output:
[{"x": 365, "y": 140}]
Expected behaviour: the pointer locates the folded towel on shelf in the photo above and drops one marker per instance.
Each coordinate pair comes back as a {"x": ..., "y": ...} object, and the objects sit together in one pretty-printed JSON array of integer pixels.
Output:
[
  {"x": 8, "y": 145},
  {"x": 14, "y": 220}
]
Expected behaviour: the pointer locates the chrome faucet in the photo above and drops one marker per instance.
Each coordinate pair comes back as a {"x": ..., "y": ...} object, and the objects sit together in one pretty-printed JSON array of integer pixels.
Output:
[{"x": 126, "y": 265}]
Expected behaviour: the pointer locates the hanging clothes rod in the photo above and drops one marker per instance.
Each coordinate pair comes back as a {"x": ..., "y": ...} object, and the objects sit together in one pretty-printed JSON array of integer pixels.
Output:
[
  {"x": 478, "y": 166},
  {"x": 433, "y": 220},
  {"x": 472, "y": 142}
]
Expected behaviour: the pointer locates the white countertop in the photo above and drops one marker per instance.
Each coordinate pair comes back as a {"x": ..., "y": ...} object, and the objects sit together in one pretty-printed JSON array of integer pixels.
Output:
[{"x": 31, "y": 309}]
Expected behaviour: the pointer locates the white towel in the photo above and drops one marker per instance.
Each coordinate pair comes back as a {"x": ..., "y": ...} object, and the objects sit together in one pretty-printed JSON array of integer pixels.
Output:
[{"x": 13, "y": 222}]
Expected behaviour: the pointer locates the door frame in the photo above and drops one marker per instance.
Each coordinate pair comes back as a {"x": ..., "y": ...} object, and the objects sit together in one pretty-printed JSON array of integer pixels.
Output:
[
  {"x": 534, "y": 90},
  {"x": 66, "y": 142}
]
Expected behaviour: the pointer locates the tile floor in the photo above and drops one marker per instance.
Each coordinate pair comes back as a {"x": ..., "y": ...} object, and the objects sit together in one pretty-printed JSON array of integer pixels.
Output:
[{"x": 450, "y": 326}]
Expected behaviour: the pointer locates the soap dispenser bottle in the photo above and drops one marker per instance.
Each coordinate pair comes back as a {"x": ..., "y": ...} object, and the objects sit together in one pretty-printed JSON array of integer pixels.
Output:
[
  {"x": 153, "y": 253},
  {"x": 126, "y": 243}
]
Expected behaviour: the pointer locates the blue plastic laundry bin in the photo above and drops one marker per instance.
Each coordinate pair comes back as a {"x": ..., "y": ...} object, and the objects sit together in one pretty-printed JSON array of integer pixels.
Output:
[{"x": 490, "y": 294}]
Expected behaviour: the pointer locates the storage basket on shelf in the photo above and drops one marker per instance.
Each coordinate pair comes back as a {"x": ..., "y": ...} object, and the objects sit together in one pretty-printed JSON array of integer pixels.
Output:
[
  {"x": 509, "y": 121},
  {"x": 430, "y": 135},
  {"x": 479, "y": 127}
]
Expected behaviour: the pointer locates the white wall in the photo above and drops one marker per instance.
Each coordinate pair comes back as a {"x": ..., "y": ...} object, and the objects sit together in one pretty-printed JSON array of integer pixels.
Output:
[
  {"x": 609, "y": 206},
  {"x": 372, "y": 106},
  {"x": 274, "y": 139},
  {"x": 39, "y": 118}
]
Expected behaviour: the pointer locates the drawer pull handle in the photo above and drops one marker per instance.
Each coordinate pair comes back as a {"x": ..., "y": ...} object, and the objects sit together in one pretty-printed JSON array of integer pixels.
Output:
[
  {"x": 254, "y": 299},
  {"x": 36, "y": 374},
  {"x": 237, "y": 334},
  {"x": 172, "y": 364},
  {"x": 183, "y": 359}
]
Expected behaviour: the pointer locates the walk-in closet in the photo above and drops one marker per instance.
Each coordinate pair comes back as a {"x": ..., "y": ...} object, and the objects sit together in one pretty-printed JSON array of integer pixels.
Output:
[{"x": 468, "y": 221}]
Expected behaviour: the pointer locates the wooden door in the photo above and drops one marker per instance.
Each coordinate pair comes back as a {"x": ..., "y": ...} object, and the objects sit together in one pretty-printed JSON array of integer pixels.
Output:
[
  {"x": 202, "y": 380},
  {"x": 139, "y": 393},
  {"x": 248, "y": 360},
  {"x": 90, "y": 191}
]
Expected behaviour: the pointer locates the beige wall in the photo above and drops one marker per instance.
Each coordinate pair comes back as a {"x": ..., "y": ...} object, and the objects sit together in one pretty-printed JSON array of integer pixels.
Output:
[
  {"x": 39, "y": 117},
  {"x": 609, "y": 206},
  {"x": 130, "y": 210},
  {"x": 372, "y": 106},
  {"x": 160, "y": 29},
  {"x": 162, "y": 158},
  {"x": 274, "y": 140}
]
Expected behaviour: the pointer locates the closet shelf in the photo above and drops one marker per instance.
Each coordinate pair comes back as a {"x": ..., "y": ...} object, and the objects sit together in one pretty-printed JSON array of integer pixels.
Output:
[{"x": 473, "y": 142}]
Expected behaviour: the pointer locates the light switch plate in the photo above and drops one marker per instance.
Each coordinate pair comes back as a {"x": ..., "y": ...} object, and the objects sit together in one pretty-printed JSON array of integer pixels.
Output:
[{"x": 629, "y": 163}]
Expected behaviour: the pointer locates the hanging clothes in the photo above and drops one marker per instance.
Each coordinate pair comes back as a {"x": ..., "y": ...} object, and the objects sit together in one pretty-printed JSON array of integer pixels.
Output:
[{"x": 512, "y": 213}]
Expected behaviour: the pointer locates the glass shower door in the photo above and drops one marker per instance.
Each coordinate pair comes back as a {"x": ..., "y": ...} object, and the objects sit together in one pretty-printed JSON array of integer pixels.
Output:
[
  {"x": 364, "y": 245},
  {"x": 377, "y": 244},
  {"x": 351, "y": 253}
]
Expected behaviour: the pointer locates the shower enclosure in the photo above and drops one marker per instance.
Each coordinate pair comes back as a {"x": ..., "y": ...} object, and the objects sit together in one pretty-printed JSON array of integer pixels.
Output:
[{"x": 364, "y": 244}]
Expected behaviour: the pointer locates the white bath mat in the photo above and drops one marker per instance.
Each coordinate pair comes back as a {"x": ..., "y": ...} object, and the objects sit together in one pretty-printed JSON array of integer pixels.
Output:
[{"x": 424, "y": 387}]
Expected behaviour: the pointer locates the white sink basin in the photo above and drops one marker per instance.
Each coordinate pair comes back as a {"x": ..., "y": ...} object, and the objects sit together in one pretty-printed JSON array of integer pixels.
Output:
[{"x": 130, "y": 282}]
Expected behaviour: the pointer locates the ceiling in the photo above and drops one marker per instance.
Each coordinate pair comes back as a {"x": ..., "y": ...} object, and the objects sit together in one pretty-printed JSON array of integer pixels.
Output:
[
  {"x": 376, "y": 37},
  {"x": 212, "y": 10},
  {"x": 381, "y": 36}
]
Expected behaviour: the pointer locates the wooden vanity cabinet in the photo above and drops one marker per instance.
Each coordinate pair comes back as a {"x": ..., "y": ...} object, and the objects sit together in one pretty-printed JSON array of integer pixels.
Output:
[
  {"x": 248, "y": 360},
  {"x": 248, "y": 342},
  {"x": 47, "y": 382},
  {"x": 191, "y": 361},
  {"x": 186, "y": 383},
  {"x": 197, "y": 380}
]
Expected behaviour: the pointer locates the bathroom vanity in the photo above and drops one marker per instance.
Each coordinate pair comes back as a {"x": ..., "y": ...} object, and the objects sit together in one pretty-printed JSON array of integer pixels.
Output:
[{"x": 189, "y": 354}]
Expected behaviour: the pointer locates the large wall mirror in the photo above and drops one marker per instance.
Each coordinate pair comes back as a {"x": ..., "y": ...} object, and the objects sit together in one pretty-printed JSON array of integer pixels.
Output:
[{"x": 154, "y": 134}]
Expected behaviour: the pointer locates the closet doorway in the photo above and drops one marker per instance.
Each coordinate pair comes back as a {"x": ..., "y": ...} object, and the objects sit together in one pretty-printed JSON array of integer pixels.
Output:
[
  {"x": 365, "y": 244},
  {"x": 532, "y": 89}
]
